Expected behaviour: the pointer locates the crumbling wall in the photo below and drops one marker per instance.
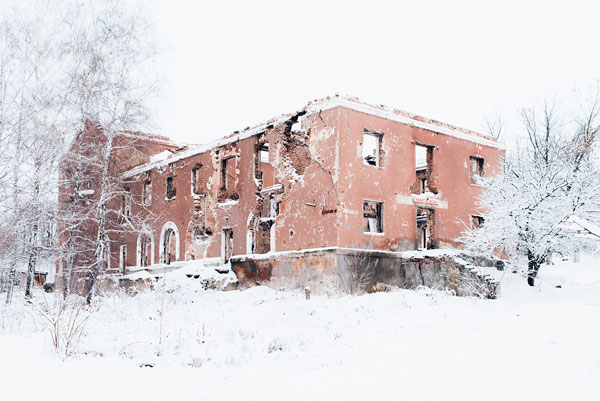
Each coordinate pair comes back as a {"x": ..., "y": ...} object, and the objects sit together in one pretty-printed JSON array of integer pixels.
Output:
[{"x": 320, "y": 269}]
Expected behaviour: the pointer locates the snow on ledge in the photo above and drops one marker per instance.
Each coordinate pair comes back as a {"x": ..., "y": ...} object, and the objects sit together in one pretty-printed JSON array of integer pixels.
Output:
[{"x": 316, "y": 107}]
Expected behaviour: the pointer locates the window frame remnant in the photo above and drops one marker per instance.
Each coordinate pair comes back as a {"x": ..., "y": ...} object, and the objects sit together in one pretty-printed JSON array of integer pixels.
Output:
[
  {"x": 171, "y": 189},
  {"x": 425, "y": 228},
  {"x": 476, "y": 165},
  {"x": 227, "y": 244},
  {"x": 224, "y": 179},
  {"x": 197, "y": 180},
  {"x": 147, "y": 193},
  {"x": 425, "y": 177},
  {"x": 371, "y": 155},
  {"x": 145, "y": 250},
  {"x": 126, "y": 202},
  {"x": 372, "y": 217},
  {"x": 123, "y": 257}
]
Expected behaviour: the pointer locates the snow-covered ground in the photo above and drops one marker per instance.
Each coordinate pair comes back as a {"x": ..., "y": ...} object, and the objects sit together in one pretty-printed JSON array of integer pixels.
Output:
[{"x": 533, "y": 343}]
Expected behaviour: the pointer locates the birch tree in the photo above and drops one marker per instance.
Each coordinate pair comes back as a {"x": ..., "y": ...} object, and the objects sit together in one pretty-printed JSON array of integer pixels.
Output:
[
  {"x": 107, "y": 48},
  {"x": 64, "y": 64}
]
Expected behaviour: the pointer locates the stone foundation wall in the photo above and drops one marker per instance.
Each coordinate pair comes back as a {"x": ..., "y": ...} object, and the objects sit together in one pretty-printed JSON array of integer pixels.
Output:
[{"x": 320, "y": 271}]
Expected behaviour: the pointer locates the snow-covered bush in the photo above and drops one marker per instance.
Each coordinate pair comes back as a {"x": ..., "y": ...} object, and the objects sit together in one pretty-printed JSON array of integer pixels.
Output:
[{"x": 65, "y": 319}]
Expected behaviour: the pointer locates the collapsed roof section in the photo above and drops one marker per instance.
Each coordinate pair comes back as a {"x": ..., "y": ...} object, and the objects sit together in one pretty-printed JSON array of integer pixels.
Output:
[{"x": 316, "y": 106}]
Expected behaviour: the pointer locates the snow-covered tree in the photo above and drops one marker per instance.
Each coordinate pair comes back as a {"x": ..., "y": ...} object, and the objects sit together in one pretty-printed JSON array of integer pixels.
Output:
[
  {"x": 107, "y": 49},
  {"x": 544, "y": 182},
  {"x": 64, "y": 64}
]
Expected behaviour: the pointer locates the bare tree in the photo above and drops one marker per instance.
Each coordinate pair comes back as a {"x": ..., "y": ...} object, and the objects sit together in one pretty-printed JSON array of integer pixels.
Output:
[
  {"x": 108, "y": 46},
  {"x": 543, "y": 184},
  {"x": 494, "y": 125},
  {"x": 65, "y": 64},
  {"x": 357, "y": 270}
]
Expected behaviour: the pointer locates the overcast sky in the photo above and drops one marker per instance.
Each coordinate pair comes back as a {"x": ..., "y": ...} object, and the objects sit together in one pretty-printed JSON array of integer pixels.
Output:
[
  {"x": 230, "y": 64},
  {"x": 233, "y": 63}
]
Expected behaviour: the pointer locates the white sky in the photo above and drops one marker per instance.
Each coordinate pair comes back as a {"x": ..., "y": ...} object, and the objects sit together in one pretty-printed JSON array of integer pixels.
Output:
[{"x": 231, "y": 64}]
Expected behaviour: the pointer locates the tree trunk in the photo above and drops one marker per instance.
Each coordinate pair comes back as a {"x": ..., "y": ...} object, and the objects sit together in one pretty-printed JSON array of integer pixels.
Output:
[
  {"x": 91, "y": 288},
  {"x": 11, "y": 282},
  {"x": 68, "y": 269},
  {"x": 32, "y": 261},
  {"x": 533, "y": 267},
  {"x": 100, "y": 264}
]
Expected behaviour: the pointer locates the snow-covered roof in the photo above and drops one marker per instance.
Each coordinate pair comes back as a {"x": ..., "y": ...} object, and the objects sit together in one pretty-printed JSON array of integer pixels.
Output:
[{"x": 317, "y": 106}]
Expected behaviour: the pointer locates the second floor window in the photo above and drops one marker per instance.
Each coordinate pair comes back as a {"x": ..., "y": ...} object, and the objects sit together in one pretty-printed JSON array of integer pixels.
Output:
[
  {"x": 147, "y": 193},
  {"x": 197, "y": 180},
  {"x": 171, "y": 190},
  {"x": 476, "y": 168},
  {"x": 372, "y": 146}
]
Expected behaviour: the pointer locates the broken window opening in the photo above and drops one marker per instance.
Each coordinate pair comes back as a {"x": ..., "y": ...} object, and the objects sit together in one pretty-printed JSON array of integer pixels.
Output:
[
  {"x": 147, "y": 193},
  {"x": 425, "y": 177},
  {"x": 197, "y": 180},
  {"x": 425, "y": 228},
  {"x": 126, "y": 202},
  {"x": 201, "y": 234},
  {"x": 477, "y": 221},
  {"x": 228, "y": 174},
  {"x": 262, "y": 236},
  {"x": 170, "y": 246},
  {"x": 264, "y": 153},
  {"x": 476, "y": 168},
  {"x": 171, "y": 189},
  {"x": 275, "y": 207},
  {"x": 123, "y": 257},
  {"x": 224, "y": 175},
  {"x": 372, "y": 216},
  {"x": 227, "y": 244},
  {"x": 372, "y": 148},
  {"x": 420, "y": 157},
  {"x": 145, "y": 250}
]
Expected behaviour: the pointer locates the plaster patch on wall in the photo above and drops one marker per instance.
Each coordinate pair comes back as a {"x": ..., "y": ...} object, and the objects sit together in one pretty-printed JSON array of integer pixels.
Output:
[{"x": 404, "y": 199}]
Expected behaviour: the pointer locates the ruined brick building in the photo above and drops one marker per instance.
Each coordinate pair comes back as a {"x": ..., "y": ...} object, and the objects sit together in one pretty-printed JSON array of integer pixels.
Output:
[{"x": 337, "y": 174}]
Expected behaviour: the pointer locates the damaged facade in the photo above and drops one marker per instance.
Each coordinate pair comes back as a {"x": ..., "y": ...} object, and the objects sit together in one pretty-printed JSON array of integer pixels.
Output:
[{"x": 338, "y": 173}]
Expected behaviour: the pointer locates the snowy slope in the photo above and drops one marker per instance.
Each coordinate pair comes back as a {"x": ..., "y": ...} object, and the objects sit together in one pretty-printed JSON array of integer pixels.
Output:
[{"x": 261, "y": 344}]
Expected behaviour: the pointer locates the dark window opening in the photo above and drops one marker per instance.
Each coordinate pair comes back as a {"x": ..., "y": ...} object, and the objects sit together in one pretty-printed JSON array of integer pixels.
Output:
[
  {"x": 224, "y": 175},
  {"x": 126, "y": 202},
  {"x": 197, "y": 180},
  {"x": 372, "y": 217},
  {"x": 171, "y": 190},
  {"x": 476, "y": 168},
  {"x": 227, "y": 246},
  {"x": 169, "y": 247},
  {"x": 145, "y": 250},
  {"x": 477, "y": 221},
  {"x": 424, "y": 185}
]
